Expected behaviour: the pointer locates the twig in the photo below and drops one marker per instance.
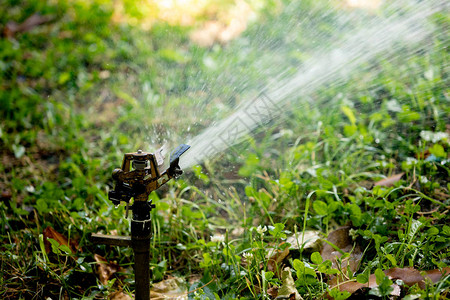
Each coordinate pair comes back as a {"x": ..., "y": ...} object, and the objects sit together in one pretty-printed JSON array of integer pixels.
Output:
[{"x": 199, "y": 288}]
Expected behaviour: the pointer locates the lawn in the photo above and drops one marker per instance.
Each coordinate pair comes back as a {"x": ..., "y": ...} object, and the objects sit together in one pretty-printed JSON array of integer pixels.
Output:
[{"x": 342, "y": 192}]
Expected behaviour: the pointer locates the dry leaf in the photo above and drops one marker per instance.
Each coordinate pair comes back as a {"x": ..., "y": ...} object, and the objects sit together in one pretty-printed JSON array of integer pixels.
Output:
[
  {"x": 171, "y": 288},
  {"x": 119, "y": 295},
  {"x": 287, "y": 289},
  {"x": 5, "y": 195},
  {"x": 256, "y": 288},
  {"x": 341, "y": 239},
  {"x": 272, "y": 292},
  {"x": 423, "y": 155},
  {"x": 34, "y": 20},
  {"x": 275, "y": 261},
  {"x": 193, "y": 278},
  {"x": 105, "y": 269},
  {"x": 409, "y": 276},
  {"x": 49, "y": 232},
  {"x": 309, "y": 239},
  {"x": 389, "y": 181}
]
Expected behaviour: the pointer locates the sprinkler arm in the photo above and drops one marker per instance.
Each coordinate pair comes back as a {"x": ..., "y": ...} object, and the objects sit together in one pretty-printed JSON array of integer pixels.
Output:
[
  {"x": 174, "y": 169},
  {"x": 154, "y": 183}
]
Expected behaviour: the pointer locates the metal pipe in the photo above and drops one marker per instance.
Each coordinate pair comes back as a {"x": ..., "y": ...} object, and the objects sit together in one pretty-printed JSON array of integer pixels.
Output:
[
  {"x": 140, "y": 241},
  {"x": 117, "y": 240},
  {"x": 141, "y": 248}
]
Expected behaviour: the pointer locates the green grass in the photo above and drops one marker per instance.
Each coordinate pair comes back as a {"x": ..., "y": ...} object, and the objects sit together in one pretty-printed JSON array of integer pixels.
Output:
[{"x": 78, "y": 92}]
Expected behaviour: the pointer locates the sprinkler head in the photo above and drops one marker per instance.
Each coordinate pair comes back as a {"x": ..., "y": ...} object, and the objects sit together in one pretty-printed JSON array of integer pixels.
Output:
[{"x": 144, "y": 176}]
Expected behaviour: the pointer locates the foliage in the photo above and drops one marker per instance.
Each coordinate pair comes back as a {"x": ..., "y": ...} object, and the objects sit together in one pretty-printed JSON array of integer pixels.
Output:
[{"x": 80, "y": 90}]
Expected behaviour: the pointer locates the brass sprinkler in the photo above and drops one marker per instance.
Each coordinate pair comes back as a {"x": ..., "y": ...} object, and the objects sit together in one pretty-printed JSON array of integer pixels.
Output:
[{"x": 138, "y": 183}]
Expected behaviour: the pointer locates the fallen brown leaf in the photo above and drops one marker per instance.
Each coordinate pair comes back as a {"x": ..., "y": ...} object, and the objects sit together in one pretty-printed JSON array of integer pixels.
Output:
[
  {"x": 272, "y": 292},
  {"x": 423, "y": 155},
  {"x": 409, "y": 276},
  {"x": 49, "y": 232},
  {"x": 287, "y": 288},
  {"x": 275, "y": 262},
  {"x": 5, "y": 195},
  {"x": 396, "y": 290},
  {"x": 32, "y": 21},
  {"x": 351, "y": 286},
  {"x": 389, "y": 181},
  {"x": 342, "y": 240},
  {"x": 193, "y": 278},
  {"x": 105, "y": 269},
  {"x": 310, "y": 240},
  {"x": 171, "y": 288},
  {"x": 119, "y": 295},
  {"x": 256, "y": 288}
]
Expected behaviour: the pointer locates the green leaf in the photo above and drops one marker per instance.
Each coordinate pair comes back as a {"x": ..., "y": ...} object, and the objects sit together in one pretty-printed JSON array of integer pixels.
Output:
[
  {"x": 363, "y": 277},
  {"x": 316, "y": 258},
  {"x": 172, "y": 55},
  {"x": 207, "y": 261},
  {"x": 379, "y": 276},
  {"x": 336, "y": 294},
  {"x": 160, "y": 205},
  {"x": 355, "y": 213},
  {"x": 333, "y": 206},
  {"x": 250, "y": 191},
  {"x": 277, "y": 230},
  {"x": 78, "y": 204},
  {"x": 326, "y": 268},
  {"x": 18, "y": 210},
  {"x": 65, "y": 249},
  {"x": 127, "y": 97},
  {"x": 407, "y": 116},
  {"x": 446, "y": 230},
  {"x": 42, "y": 246},
  {"x": 198, "y": 172},
  {"x": 302, "y": 269},
  {"x": 63, "y": 77},
  {"x": 438, "y": 151},
  {"x": 55, "y": 246},
  {"x": 349, "y": 113},
  {"x": 264, "y": 198},
  {"x": 414, "y": 228},
  {"x": 392, "y": 259},
  {"x": 384, "y": 284},
  {"x": 250, "y": 166},
  {"x": 433, "y": 231},
  {"x": 320, "y": 207},
  {"x": 350, "y": 130},
  {"x": 298, "y": 264},
  {"x": 268, "y": 275},
  {"x": 41, "y": 206}
]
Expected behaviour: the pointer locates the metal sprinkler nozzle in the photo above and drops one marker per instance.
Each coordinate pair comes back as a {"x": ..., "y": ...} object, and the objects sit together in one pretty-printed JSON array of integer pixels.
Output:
[{"x": 138, "y": 183}]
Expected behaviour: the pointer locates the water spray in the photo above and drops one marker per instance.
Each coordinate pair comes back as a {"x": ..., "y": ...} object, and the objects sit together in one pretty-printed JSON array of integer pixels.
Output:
[
  {"x": 145, "y": 177},
  {"x": 328, "y": 67}
]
